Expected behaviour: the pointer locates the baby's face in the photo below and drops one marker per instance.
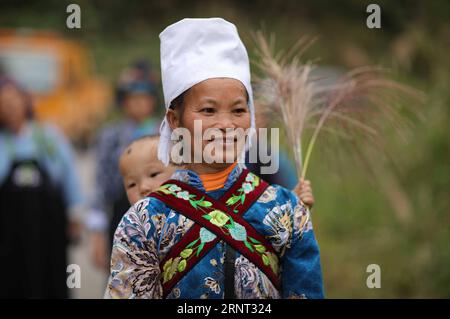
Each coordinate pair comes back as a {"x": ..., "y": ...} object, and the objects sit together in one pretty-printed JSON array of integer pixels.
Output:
[{"x": 142, "y": 173}]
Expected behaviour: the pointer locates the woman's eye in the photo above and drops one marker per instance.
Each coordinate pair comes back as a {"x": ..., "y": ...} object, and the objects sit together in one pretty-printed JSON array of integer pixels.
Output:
[
  {"x": 152, "y": 175},
  {"x": 240, "y": 110},
  {"x": 207, "y": 110}
]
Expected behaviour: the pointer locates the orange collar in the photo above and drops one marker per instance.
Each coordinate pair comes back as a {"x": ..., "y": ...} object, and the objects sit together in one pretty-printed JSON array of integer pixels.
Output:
[{"x": 217, "y": 180}]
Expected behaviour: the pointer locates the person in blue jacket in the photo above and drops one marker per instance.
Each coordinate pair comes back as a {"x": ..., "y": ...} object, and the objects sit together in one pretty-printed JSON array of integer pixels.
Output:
[
  {"x": 40, "y": 200},
  {"x": 214, "y": 230}
]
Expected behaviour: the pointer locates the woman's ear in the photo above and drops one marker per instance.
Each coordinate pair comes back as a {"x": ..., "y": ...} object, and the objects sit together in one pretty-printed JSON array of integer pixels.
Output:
[{"x": 173, "y": 119}]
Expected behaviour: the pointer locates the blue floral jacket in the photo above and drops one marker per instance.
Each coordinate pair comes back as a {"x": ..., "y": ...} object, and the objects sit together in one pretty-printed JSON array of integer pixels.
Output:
[{"x": 150, "y": 229}]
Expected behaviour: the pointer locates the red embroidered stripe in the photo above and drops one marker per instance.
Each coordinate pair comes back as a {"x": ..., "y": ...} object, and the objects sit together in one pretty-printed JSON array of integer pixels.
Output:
[
  {"x": 192, "y": 234},
  {"x": 224, "y": 220}
]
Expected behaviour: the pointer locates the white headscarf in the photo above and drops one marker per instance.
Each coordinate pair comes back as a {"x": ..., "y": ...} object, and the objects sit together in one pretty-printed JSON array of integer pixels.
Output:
[{"x": 194, "y": 50}]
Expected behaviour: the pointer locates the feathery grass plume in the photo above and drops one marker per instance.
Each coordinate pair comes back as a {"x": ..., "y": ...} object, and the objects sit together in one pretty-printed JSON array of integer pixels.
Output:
[{"x": 358, "y": 108}]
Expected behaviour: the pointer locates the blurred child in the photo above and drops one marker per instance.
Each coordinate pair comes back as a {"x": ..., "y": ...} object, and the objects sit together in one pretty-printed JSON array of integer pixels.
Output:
[
  {"x": 142, "y": 173},
  {"x": 141, "y": 170},
  {"x": 137, "y": 102}
]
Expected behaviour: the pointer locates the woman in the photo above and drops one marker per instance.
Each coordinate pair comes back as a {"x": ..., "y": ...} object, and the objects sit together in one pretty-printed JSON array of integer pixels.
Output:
[
  {"x": 214, "y": 230},
  {"x": 38, "y": 184}
]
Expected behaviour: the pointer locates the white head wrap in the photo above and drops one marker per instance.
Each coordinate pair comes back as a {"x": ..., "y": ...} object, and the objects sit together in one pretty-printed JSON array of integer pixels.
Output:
[{"x": 194, "y": 50}]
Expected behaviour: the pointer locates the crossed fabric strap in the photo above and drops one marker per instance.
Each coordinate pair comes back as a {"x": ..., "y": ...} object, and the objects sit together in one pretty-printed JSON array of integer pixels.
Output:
[{"x": 215, "y": 220}]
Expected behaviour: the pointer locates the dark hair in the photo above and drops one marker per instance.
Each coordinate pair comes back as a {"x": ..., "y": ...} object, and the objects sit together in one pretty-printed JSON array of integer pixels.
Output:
[
  {"x": 137, "y": 78},
  {"x": 177, "y": 103}
]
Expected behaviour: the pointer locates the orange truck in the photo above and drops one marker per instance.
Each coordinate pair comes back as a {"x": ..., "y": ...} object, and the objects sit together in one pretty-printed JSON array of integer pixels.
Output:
[{"x": 59, "y": 75}]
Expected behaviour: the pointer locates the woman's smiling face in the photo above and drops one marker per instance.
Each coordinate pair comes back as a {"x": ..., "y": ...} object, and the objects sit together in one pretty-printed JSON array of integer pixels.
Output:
[{"x": 221, "y": 104}]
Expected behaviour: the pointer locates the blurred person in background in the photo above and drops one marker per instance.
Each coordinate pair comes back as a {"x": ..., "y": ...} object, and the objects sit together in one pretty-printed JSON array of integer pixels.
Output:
[
  {"x": 138, "y": 99},
  {"x": 40, "y": 200}
]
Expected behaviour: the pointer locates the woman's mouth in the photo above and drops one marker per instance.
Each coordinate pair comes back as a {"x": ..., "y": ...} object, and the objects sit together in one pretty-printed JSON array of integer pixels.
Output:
[{"x": 224, "y": 140}]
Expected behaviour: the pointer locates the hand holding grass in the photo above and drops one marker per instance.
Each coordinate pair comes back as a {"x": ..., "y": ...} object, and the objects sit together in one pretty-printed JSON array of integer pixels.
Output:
[{"x": 305, "y": 193}]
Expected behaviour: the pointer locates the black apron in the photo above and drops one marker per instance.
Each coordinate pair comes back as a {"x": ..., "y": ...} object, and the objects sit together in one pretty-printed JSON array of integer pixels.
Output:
[{"x": 33, "y": 234}]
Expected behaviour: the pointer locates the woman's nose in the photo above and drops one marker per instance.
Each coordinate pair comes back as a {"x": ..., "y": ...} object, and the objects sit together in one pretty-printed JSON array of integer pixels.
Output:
[{"x": 225, "y": 121}]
